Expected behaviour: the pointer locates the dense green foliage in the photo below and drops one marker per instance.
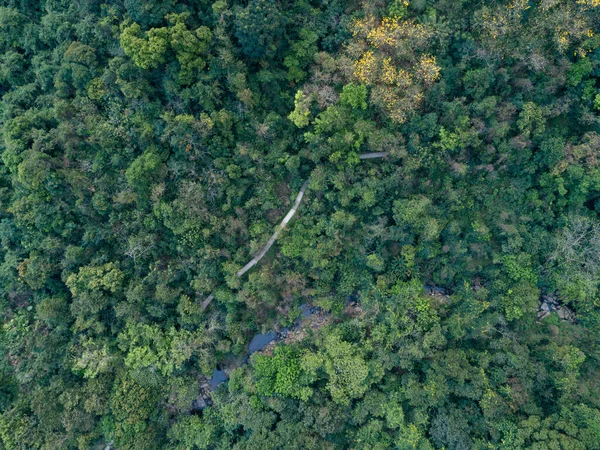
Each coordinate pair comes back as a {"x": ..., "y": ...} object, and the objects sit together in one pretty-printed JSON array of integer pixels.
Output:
[{"x": 150, "y": 147}]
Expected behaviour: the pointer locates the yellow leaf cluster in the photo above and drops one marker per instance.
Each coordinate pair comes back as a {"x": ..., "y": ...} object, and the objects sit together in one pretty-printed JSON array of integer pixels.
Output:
[
  {"x": 391, "y": 102},
  {"x": 385, "y": 34},
  {"x": 390, "y": 32},
  {"x": 398, "y": 106},
  {"x": 403, "y": 79},
  {"x": 365, "y": 69},
  {"x": 362, "y": 27},
  {"x": 563, "y": 41},
  {"x": 428, "y": 69},
  {"x": 388, "y": 71},
  {"x": 392, "y": 62},
  {"x": 592, "y": 3}
]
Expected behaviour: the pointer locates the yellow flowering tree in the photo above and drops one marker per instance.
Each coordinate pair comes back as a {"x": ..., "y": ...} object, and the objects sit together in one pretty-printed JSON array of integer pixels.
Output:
[{"x": 390, "y": 56}]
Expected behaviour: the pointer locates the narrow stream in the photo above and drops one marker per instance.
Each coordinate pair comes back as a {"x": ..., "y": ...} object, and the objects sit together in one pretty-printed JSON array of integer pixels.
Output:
[{"x": 260, "y": 341}]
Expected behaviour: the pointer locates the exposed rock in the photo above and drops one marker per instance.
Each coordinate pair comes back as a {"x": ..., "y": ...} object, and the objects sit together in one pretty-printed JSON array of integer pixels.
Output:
[
  {"x": 206, "y": 387},
  {"x": 566, "y": 314},
  {"x": 312, "y": 318},
  {"x": 354, "y": 309},
  {"x": 543, "y": 314},
  {"x": 307, "y": 310},
  {"x": 440, "y": 293},
  {"x": 201, "y": 402},
  {"x": 549, "y": 303}
]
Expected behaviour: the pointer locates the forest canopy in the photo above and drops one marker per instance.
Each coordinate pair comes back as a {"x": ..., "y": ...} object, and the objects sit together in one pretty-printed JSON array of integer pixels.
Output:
[{"x": 435, "y": 287}]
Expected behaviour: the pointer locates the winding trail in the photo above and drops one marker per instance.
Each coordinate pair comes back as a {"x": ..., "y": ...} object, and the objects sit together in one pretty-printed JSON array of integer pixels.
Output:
[
  {"x": 278, "y": 230},
  {"x": 282, "y": 226},
  {"x": 373, "y": 155}
]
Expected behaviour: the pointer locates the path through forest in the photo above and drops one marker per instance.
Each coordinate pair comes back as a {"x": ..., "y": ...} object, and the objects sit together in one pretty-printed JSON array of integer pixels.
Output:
[{"x": 282, "y": 226}]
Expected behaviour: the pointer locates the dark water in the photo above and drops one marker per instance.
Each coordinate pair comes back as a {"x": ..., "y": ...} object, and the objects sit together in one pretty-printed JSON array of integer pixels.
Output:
[
  {"x": 260, "y": 341},
  {"x": 217, "y": 378}
]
